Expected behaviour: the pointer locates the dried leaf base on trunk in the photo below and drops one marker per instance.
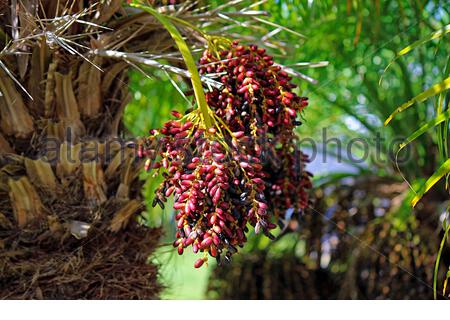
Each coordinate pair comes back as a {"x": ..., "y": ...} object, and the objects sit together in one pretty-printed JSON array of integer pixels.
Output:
[
  {"x": 107, "y": 266},
  {"x": 70, "y": 192},
  {"x": 76, "y": 237}
]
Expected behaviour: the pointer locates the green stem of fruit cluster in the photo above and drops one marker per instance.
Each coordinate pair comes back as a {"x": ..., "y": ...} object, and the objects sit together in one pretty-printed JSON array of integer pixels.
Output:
[{"x": 188, "y": 59}]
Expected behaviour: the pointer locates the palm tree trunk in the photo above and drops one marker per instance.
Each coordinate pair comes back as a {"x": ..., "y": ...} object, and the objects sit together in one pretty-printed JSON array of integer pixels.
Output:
[{"x": 70, "y": 192}]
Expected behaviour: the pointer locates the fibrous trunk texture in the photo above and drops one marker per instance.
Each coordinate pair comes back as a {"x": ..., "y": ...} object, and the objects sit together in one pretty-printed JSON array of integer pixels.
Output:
[{"x": 70, "y": 192}]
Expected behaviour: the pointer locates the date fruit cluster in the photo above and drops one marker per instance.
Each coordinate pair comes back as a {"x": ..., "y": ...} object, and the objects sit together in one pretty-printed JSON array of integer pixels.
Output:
[{"x": 245, "y": 171}]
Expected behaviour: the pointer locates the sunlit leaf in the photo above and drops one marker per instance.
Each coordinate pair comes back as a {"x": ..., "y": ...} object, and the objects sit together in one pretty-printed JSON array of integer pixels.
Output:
[
  {"x": 432, "y": 36},
  {"x": 427, "y": 126},
  {"x": 436, "y": 266},
  {"x": 443, "y": 170},
  {"x": 434, "y": 90},
  {"x": 442, "y": 130}
]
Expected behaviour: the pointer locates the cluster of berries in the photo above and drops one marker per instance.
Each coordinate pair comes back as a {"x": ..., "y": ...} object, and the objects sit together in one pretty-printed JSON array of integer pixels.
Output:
[{"x": 247, "y": 170}]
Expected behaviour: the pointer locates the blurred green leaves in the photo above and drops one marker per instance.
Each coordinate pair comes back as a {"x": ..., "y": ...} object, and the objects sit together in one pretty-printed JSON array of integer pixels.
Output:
[{"x": 153, "y": 98}]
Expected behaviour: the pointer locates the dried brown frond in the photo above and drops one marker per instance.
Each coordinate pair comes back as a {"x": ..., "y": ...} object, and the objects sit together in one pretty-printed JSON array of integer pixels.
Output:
[{"x": 65, "y": 234}]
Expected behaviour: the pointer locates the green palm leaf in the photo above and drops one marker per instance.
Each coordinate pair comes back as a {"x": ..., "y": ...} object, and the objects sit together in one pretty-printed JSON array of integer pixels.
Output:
[
  {"x": 434, "y": 90},
  {"x": 443, "y": 170},
  {"x": 427, "y": 126},
  {"x": 438, "y": 259},
  {"x": 432, "y": 36},
  {"x": 435, "y": 35}
]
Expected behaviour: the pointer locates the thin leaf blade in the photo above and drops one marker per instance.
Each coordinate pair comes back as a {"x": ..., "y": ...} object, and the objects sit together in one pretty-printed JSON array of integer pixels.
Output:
[
  {"x": 432, "y": 91},
  {"x": 432, "y": 36},
  {"x": 442, "y": 171},
  {"x": 427, "y": 126}
]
